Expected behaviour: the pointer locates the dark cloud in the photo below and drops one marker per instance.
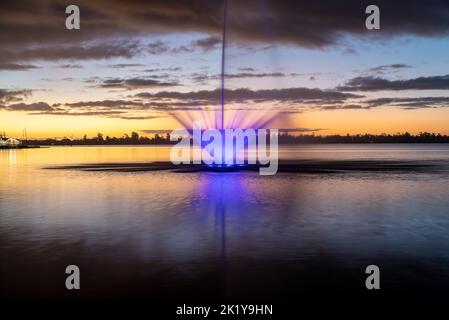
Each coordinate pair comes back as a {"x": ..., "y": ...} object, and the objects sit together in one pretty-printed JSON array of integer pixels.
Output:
[
  {"x": 10, "y": 100},
  {"x": 139, "y": 117},
  {"x": 38, "y": 106},
  {"x": 154, "y": 105},
  {"x": 98, "y": 113},
  {"x": 383, "y": 68},
  {"x": 70, "y": 66},
  {"x": 343, "y": 107},
  {"x": 350, "y": 51},
  {"x": 121, "y": 109},
  {"x": 207, "y": 44},
  {"x": 202, "y": 77},
  {"x": 257, "y": 75},
  {"x": 163, "y": 69},
  {"x": 81, "y": 113},
  {"x": 313, "y": 24},
  {"x": 16, "y": 67},
  {"x": 104, "y": 104},
  {"x": 86, "y": 52},
  {"x": 125, "y": 65},
  {"x": 352, "y": 106},
  {"x": 57, "y": 80},
  {"x": 132, "y": 105},
  {"x": 182, "y": 49},
  {"x": 158, "y": 47},
  {"x": 378, "y": 84},
  {"x": 9, "y": 96},
  {"x": 135, "y": 83},
  {"x": 138, "y": 105},
  {"x": 297, "y": 95},
  {"x": 410, "y": 103},
  {"x": 247, "y": 69}
]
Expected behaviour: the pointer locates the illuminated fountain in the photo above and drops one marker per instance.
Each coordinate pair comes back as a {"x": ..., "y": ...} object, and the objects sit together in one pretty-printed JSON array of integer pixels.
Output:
[{"x": 216, "y": 119}]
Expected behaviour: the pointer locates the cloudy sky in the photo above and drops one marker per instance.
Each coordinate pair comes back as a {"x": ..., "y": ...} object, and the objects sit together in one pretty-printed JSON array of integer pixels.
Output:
[{"x": 155, "y": 65}]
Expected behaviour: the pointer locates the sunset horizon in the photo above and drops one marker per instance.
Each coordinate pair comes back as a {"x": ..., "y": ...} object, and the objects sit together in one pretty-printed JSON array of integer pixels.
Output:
[
  {"x": 202, "y": 159},
  {"x": 133, "y": 77}
]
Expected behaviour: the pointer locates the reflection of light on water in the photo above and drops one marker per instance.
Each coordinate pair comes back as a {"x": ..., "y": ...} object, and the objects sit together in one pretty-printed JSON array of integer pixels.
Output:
[
  {"x": 230, "y": 225},
  {"x": 220, "y": 214},
  {"x": 12, "y": 157},
  {"x": 223, "y": 195}
]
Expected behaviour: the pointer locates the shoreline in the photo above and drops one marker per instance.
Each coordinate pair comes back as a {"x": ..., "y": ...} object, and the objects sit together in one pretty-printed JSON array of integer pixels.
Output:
[
  {"x": 23, "y": 147},
  {"x": 280, "y": 144}
]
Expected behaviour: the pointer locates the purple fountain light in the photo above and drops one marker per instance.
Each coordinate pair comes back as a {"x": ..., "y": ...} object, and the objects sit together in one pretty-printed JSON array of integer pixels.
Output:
[{"x": 235, "y": 117}]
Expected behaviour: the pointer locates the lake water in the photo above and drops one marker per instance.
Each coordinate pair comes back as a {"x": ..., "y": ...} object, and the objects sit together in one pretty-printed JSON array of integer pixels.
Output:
[{"x": 222, "y": 235}]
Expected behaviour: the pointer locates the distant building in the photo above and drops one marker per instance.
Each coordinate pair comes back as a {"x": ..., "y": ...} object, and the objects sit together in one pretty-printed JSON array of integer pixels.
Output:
[{"x": 9, "y": 142}]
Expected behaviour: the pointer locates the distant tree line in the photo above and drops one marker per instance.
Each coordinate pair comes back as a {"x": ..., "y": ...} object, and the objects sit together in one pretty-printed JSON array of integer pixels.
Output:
[
  {"x": 423, "y": 137},
  {"x": 135, "y": 139},
  {"x": 100, "y": 139}
]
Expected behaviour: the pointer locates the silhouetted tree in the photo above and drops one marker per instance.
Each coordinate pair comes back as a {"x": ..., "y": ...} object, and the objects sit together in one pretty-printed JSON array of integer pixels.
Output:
[{"x": 134, "y": 136}]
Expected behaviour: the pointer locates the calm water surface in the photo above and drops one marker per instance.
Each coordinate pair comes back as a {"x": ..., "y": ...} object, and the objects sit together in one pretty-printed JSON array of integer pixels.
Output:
[{"x": 232, "y": 235}]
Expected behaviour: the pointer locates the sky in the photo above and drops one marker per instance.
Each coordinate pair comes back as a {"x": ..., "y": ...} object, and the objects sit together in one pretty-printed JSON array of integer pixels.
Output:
[{"x": 144, "y": 66}]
